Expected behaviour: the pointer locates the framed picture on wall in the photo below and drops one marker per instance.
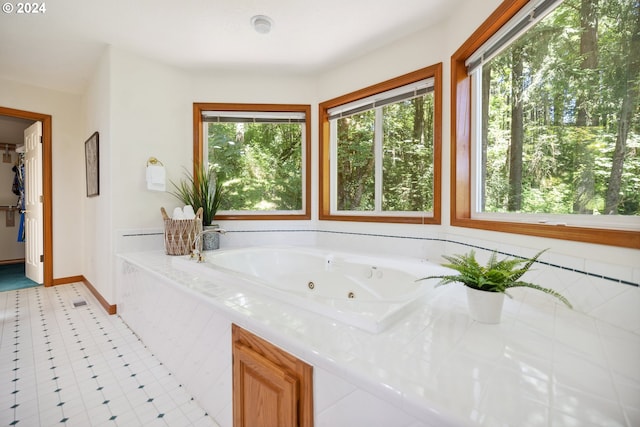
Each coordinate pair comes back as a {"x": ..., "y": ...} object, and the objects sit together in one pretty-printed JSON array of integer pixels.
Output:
[{"x": 92, "y": 165}]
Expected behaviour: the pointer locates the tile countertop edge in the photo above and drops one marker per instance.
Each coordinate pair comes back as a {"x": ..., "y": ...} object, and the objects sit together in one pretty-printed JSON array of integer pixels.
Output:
[
  {"x": 429, "y": 412},
  {"x": 288, "y": 337}
]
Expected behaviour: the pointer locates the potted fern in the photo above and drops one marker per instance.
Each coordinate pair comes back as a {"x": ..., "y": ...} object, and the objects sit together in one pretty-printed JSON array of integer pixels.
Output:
[
  {"x": 487, "y": 285},
  {"x": 202, "y": 190}
]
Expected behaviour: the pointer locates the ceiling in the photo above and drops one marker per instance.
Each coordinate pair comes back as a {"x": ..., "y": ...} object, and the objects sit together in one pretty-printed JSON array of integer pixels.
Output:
[
  {"x": 12, "y": 130},
  {"x": 60, "y": 47}
]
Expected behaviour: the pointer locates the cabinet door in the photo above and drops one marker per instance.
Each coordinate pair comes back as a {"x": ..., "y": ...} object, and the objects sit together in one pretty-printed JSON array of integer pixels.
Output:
[
  {"x": 267, "y": 394},
  {"x": 271, "y": 388}
]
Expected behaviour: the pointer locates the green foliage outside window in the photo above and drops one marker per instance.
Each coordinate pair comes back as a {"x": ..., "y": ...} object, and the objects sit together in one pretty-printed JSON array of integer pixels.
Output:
[
  {"x": 260, "y": 165},
  {"x": 561, "y": 128},
  {"x": 407, "y": 158},
  {"x": 356, "y": 162}
]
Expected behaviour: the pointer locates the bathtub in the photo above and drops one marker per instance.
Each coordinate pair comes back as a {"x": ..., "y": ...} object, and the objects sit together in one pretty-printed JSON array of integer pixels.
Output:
[{"x": 368, "y": 292}]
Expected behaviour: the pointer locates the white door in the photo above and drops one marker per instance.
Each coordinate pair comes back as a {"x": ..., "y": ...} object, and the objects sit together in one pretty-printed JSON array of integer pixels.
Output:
[{"x": 33, "y": 203}]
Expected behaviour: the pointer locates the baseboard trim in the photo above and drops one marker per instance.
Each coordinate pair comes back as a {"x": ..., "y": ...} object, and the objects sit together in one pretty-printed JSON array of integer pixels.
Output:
[
  {"x": 109, "y": 308},
  {"x": 12, "y": 261},
  {"x": 67, "y": 280}
]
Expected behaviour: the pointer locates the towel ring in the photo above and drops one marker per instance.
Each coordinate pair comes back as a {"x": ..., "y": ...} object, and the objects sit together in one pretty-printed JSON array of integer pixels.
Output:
[{"x": 154, "y": 161}]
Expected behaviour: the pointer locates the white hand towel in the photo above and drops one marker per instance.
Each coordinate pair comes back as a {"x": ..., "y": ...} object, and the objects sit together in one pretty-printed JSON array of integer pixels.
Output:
[
  {"x": 188, "y": 212},
  {"x": 156, "y": 178},
  {"x": 178, "y": 214}
]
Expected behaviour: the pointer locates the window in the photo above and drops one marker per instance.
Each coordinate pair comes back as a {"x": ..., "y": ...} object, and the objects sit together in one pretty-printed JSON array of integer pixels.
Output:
[
  {"x": 380, "y": 151},
  {"x": 260, "y": 152},
  {"x": 547, "y": 122}
]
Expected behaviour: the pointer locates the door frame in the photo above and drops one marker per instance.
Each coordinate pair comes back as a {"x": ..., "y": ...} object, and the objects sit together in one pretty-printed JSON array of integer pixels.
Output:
[{"x": 47, "y": 186}]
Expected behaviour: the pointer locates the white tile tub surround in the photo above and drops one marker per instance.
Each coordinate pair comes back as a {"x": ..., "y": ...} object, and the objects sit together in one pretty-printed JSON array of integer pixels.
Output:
[
  {"x": 607, "y": 298},
  {"x": 607, "y": 292},
  {"x": 544, "y": 365},
  {"x": 139, "y": 239}
]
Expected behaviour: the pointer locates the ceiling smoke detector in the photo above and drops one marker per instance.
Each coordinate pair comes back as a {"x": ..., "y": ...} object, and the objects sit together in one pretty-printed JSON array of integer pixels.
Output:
[{"x": 261, "y": 23}]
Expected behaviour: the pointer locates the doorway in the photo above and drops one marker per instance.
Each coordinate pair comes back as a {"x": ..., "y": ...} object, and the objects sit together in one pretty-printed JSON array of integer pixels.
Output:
[{"x": 47, "y": 185}]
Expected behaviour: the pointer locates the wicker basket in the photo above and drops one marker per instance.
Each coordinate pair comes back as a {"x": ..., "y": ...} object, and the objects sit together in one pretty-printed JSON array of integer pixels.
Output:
[{"x": 180, "y": 234}]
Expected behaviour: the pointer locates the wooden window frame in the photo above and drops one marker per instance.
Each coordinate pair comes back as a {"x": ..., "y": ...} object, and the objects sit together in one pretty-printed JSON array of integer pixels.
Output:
[
  {"x": 199, "y": 107},
  {"x": 461, "y": 152},
  {"x": 324, "y": 206}
]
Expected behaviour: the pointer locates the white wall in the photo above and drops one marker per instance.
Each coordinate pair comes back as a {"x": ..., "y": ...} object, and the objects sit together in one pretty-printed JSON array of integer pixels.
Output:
[
  {"x": 97, "y": 246},
  {"x": 68, "y": 166},
  {"x": 151, "y": 116}
]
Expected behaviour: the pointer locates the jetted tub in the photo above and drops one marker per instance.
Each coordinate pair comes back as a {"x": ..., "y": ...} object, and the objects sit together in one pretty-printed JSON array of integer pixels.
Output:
[{"x": 368, "y": 292}]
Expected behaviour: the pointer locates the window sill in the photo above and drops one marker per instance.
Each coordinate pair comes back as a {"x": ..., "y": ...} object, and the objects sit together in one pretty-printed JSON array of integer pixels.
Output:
[
  {"x": 381, "y": 218},
  {"x": 612, "y": 237},
  {"x": 264, "y": 217}
]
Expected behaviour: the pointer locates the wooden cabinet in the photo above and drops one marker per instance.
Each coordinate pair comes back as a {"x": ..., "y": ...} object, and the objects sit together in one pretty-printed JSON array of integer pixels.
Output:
[{"x": 271, "y": 388}]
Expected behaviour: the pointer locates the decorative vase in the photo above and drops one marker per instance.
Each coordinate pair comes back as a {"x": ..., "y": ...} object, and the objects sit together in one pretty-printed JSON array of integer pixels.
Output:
[
  {"x": 210, "y": 241},
  {"x": 485, "y": 307}
]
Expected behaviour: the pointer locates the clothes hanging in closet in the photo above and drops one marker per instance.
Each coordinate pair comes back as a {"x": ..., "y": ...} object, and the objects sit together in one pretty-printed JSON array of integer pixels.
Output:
[
  {"x": 18, "y": 184},
  {"x": 15, "y": 187}
]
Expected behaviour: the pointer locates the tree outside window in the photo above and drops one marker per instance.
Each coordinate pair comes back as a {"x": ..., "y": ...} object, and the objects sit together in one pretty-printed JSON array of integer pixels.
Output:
[
  {"x": 546, "y": 124},
  {"x": 405, "y": 131},
  {"x": 380, "y": 150},
  {"x": 560, "y": 125},
  {"x": 260, "y": 155}
]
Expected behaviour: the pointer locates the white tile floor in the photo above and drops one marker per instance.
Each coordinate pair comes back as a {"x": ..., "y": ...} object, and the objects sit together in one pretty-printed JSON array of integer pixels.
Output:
[{"x": 68, "y": 365}]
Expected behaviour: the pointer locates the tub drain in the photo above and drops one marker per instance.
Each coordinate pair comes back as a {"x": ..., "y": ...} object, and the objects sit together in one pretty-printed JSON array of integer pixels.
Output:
[
  {"x": 351, "y": 295},
  {"x": 311, "y": 285}
]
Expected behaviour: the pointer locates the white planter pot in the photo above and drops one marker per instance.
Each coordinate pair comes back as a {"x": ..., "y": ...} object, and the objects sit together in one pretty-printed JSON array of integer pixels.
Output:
[{"x": 485, "y": 307}]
